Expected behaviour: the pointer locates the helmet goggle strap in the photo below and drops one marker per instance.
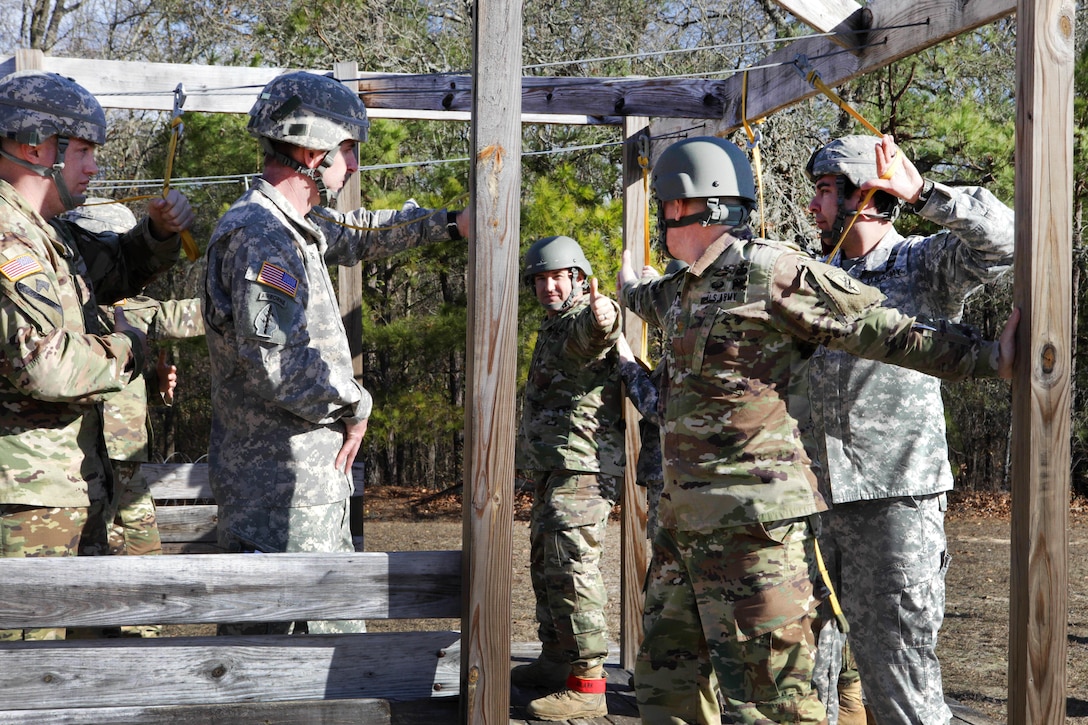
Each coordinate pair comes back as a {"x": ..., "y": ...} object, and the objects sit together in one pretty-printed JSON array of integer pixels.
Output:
[
  {"x": 316, "y": 174},
  {"x": 575, "y": 282},
  {"x": 52, "y": 172}
]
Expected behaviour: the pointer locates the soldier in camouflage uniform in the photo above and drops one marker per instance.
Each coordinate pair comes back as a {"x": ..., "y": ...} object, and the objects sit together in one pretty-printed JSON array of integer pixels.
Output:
[
  {"x": 571, "y": 444},
  {"x": 881, "y": 430},
  {"x": 130, "y": 511},
  {"x": 730, "y": 584},
  {"x": 288, "y": 415},
  {"x": 54, "y": 367}
]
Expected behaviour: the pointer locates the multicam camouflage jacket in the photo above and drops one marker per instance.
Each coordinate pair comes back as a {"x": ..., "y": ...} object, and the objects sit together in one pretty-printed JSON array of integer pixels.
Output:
[
  {"x": 282, "y": 378},
  {"x": 54, "y": 370},
  {"x": 125, "y": 413},
  {"x": 740, "y": 332},
  {"x": 572, "y": 414},
  {"x": 879, "y": 429}
]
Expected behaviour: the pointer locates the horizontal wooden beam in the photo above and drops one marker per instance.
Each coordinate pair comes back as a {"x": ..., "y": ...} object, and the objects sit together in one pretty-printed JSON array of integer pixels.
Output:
[
  {"x": 95, "y": 591},
  {"x": 823, "y": 15},
  {"x": 775, "y": 83},
  {"x": 341, "y": 712},
  {"x": 209, "y": 670}
]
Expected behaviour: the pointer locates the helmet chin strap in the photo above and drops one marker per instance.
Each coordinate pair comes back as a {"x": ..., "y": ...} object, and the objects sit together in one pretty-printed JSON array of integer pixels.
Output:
[
  {"x": 67, "y": 199},
  {"x": 716, "y": 213},
  {"x": 316, "y": 174}
]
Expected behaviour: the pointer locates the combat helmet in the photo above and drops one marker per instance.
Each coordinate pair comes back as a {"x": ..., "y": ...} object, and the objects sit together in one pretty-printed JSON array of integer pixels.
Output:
[
  {"x": 35, "y": 105},
  {"x": 559, "y": 252},
  {"x": 705, "y": 167},
  {"x": 850, "y": 159},
  {"x": 98, "y": 215},
  {"x": 312, "y": 111}
]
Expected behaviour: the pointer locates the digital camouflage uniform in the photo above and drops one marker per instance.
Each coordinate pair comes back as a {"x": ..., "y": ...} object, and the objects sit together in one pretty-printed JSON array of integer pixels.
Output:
[
  {"x": 281, "y": 371},
  {"x": 730, "y": 584},
  {"x": 571, "y": 441},
  {"x": 881, "y": 433},
  {"x": 54, "y": 372}
]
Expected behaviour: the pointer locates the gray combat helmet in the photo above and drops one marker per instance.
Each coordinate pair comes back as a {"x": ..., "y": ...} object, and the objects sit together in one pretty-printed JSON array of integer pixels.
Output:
[
  {"x": 98, "y": 215},
  {"x": 312, "y": 111},
  {"x": 36, "y": 105},
  {"x": 853, "y": 159},
  {"x": 705, "y": 167},
  {"x": 552, "y": 253}
]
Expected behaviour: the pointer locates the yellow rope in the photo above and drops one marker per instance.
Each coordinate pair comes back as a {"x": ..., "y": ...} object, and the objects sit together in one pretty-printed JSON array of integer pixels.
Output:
[
  {"x": 192, "y": 251},
  {"x": 832, "y": 597},
  {"x": 889, "y": 172},
  {"x": 757, "y": 158},
  {"x": 644, "y": 163}
]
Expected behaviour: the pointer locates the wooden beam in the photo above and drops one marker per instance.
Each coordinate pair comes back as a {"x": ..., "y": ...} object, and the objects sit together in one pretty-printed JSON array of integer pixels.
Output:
[
  {"x": 775, "y": 82},
  {"x": 493, "y": 285},
  {"x": 313, "y": 712},
  {"x": 634, "y": 555},
  {"x": 84, "y": 591},
  {"x": 1041, "y": 398},
  {"x": 210, "y": 670},
  {"x": 823, "y": 15}
]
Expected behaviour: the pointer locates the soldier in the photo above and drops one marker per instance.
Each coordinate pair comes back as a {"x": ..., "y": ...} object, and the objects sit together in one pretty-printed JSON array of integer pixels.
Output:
[
  {"x": 54, "y": 369},
  {"x": 288, "y": 416},
  {"x": 731, "y": 578},
  {"x": 570, "y": 442},
  {"x": 130, "y": 512},
  {"x": 880, "y": 430}
]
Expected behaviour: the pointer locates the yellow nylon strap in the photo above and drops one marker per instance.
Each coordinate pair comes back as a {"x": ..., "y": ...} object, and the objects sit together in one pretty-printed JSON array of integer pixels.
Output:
[
  {"x": 757, "y": 158},
  {"x": 192, "y": 251},
  {"x": 644, "y": 164},
  {"x": 889, "y": 172},
  {"x": 832, "y": 597}
]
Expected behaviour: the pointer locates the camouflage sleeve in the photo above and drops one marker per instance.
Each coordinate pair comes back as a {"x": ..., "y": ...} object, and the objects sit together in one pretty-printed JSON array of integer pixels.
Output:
[
  {"x": 975, "y": 247},
  {"x": 825, "y": 306},
  {"x": 120, "y": 266},
  {"x": 177, "y": 320},
  {"x": 38, "y": 355},
  {"x": 587, "y": 340},
  {"x": 361, "y": 234},
  {"x": 641, "y": 388},
  {"x": 280, "y": 345},
  {"x": 649, "y": 298}
]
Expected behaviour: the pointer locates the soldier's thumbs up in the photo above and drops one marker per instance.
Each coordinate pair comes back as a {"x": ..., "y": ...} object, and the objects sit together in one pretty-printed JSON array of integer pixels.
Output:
[{"x": 604, "y": 309}]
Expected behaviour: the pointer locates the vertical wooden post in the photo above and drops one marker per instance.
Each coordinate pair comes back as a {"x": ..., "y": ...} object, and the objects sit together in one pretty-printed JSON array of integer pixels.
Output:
[
  {"x": 1041, "y": 385},
  {"x": 495, "y": 186},
  {"x": 349, "y": 281},
  {"x": 634, "y": 554},
  {"x": 29, "y": 59}
]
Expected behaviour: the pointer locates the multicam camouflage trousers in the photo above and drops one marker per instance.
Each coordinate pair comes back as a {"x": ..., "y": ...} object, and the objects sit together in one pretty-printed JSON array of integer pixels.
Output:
[
  {"x": 566, "y": 538},
  {"x": 29, "y": 531},
  {"x": 887, "y": 559},
  {"x": 739, "y": 603},
  {"x": 250, "y": 529}
]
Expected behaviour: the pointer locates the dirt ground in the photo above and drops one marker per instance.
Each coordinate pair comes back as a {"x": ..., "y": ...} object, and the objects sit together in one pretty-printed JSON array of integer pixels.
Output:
[{"x": 974, "y": 640}]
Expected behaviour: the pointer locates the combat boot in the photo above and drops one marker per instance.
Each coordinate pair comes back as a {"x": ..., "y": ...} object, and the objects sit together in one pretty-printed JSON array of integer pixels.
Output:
[
  {"x": 544, "y": 673},
  {"x": 582, "y": 697},
  {"x": 851, "y": 709}
]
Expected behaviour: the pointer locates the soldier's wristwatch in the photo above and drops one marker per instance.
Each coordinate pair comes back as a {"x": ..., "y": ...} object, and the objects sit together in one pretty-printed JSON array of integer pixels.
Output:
[{"x": 923, "y": 196}]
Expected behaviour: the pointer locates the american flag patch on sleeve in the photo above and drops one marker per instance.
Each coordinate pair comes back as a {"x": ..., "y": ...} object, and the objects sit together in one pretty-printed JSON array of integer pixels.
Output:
[
  {"x": 20, "y": 267},
  {"x": 277, "y": 278}
]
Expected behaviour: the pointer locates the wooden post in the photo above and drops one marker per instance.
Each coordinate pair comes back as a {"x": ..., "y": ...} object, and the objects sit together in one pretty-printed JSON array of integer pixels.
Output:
[
  {"x": 495, "y": 186},
  {"x": 634, "y": 554},
  {"x": 29, "y": 59},
  {"x": 1041, "y": 383},
  {"x": 349, "y": 282}
]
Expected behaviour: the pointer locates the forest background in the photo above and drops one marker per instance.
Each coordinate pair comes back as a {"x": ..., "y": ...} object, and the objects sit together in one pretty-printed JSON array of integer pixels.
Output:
[{"x": 951, "y": 106}]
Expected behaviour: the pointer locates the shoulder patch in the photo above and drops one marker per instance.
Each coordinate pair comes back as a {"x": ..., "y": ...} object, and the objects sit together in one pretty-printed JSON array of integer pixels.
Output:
[
  {"x": 277, "y": 278},
  {"x": 22, "y": 266}
]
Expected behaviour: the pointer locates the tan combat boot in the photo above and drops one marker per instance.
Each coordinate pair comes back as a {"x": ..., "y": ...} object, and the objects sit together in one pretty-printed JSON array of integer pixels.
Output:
[
  {"x": 851, "y": 709},
  {"x": 544, "y": 673},
  {"x": 582, "y": 697}
]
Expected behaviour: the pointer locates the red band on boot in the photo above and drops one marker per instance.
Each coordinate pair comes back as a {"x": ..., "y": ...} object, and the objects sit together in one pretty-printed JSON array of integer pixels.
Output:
[{"x": 588, "y": 687}]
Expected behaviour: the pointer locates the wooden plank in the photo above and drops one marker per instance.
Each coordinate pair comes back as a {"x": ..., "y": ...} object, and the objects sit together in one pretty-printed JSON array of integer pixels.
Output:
[
  {"x": 634, "y": 554},
  {"x": 775, "y": 83},
  {"x": 187, "y": 481},
  {"x": 209, "y": 670},
  {"x": 185, "y": 524},
  {"x": 307, "y": 712},
  {"x": 823, "y": 15},
  {"x": 195, "y": 588},
  {"x": 1042, "y": 391},
  {"x": 493, "y": 285}
]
